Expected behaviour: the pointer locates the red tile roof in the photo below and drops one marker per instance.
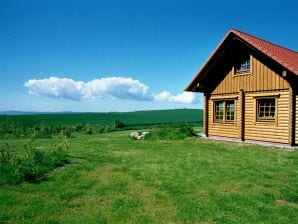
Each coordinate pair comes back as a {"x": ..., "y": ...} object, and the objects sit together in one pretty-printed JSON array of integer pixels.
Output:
[{"x": 285, "y": 57}]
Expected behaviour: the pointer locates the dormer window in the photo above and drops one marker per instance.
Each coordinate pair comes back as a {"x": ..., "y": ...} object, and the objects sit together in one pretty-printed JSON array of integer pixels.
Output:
[{"x": 242, "y": 64}]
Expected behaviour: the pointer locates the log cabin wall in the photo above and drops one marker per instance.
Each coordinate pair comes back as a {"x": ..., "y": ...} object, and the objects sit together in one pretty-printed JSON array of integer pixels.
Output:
[
  {"x": 261, "y": 80},
  {"x": 230, "y": 130},
  {"x": 268, "y": 131}
]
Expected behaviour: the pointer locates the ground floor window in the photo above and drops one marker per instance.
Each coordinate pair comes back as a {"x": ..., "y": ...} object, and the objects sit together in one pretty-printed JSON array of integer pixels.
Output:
[
  {"x": 224, "y": 111},
  {"x": 266, "y": 109}
]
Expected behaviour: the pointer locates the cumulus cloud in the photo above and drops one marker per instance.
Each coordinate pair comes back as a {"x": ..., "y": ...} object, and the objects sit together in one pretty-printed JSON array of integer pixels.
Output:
[
  {"x": 114, "y": 87},
  {"x": 56, "y": 87},
  {"x": 109, "y": 87},
  {"x": 185, "y": 97}
]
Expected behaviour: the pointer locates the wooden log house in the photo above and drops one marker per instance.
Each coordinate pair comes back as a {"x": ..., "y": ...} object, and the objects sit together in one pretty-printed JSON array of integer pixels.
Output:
[{"x": 250, "y": 90}]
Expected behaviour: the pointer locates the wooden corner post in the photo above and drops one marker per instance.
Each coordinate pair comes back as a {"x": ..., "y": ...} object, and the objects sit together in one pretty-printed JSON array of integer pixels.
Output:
[
  {"x": 206, "y": 112},
  {"x": 241, "y": 115},
  {"x": 292, "y": 115}
]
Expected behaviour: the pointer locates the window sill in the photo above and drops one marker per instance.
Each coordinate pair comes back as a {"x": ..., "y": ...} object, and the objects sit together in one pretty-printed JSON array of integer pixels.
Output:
[
  {"x": 248, "y": 72},
  {"x": 265, "y": 122},
  {"x": 224, "y": 122}
]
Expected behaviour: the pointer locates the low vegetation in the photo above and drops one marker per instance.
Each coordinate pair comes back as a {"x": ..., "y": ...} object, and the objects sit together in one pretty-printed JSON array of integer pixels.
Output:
[
  {"x": 28, "y": 163},
  {"x": 10, "y": 129},
  {"x": 180, "y": 131},
  {"x": 15, "y": 130}
]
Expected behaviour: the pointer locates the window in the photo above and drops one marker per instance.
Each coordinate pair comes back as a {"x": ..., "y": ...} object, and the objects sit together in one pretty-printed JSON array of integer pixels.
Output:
[
  {"x": 266, "y": 109},
  {"x": 219, "y": 106},
  {"x": 224, "y": 111},
  {"x": 242, "y": 64},
  {"x": 230, "y": 110}
]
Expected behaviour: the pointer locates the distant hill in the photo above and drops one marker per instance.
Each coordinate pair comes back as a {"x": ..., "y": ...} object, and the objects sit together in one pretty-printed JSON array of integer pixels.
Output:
[
  {"x": 15, "y": 112},
  {"x": 131, "y": 118}
]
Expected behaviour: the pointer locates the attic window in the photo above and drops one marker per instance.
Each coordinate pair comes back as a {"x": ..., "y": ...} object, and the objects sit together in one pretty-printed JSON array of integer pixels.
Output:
[{"x": 242, "y": 64}]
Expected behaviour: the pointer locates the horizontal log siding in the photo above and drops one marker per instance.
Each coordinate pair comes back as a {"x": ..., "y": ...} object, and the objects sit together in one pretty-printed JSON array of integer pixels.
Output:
[
  {"x": 223, "y": 129},
  {"x": 261, "y": 78},
  {"x": 267, "y": 131}
]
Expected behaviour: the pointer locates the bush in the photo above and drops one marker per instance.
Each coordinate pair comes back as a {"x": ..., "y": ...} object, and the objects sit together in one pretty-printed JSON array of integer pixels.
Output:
[
  {"x": 66, "y": 132},
  {"x": 119, "y": 124},
  {"x": 100, "y": 129},
  {"x": 78, "y": 127},
  {"x": 30, "y": 164},
  {"x": 88, "y": 129},
  {"x": 181, "y": 131},
  {"x": 8, "y": 164}
]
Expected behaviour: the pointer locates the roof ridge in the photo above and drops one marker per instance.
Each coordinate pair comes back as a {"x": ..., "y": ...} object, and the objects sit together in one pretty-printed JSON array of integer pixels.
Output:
[{"x": 269, "y": 42}]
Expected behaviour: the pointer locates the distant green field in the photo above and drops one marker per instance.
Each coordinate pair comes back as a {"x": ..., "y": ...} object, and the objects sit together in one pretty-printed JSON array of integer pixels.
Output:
[{"x": 131, "y": 118}]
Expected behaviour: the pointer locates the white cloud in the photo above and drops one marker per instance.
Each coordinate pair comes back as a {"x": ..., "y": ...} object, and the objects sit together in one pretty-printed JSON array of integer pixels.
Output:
[
  {"x": 163, "y": 96},
  {"x": 115, "y": 87},
  {"x": 56, "y": 87},
  {"x": 185, "y": 97},
  {"x": 109, "y": 87}
]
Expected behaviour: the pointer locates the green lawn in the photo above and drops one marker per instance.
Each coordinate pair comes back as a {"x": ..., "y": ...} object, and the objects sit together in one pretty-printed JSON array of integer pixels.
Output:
[{"x": 113, "y": 179}]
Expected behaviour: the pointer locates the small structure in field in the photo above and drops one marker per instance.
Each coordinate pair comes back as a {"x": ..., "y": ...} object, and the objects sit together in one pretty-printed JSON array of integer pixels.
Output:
[{"x": 250, "y": 90}]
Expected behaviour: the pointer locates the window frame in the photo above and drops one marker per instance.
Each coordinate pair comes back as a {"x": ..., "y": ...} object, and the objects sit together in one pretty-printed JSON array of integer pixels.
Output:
[
  {"x": 215, "y": 111},
  {"x": 237, "y": 63},
  {"x": 224, "y": 111},
  {"x": 266, "y": 119}
]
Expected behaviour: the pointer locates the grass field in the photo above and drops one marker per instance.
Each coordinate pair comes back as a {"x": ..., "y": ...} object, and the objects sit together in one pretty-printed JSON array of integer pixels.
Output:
[
  {"x": 131, "y": 118},
  {"x": 113, "y": 179}
]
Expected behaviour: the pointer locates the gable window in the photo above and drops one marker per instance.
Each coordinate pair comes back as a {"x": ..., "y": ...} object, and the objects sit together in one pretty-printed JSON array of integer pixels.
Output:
[
  {"x": 224, "y": 111},
  {"x": 242, "y": 64},
  {"x": 266, "y": 109}
]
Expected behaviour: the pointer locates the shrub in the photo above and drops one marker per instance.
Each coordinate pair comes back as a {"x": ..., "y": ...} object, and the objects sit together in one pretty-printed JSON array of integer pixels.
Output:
[
  {"x": 101, "y": 129},
  {"x": 78, "y": 127},
  {"x": 66, "y": 132},
  {"x": 8, "y": 164},
  {"x": 30, "y": 164},
  {"x": 118, "y": 124},
  {"x": 10, "y": 129},
  {"x": 59, "y": 154},
  {"x": 181, "y": 131},
  {"x": 43, "y": 131},
  {"x": 88, "y": 129}
]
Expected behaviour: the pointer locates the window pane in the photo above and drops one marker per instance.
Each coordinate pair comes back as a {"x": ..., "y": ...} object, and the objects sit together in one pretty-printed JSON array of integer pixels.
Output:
[
  {"x": 230, "y": 110},
  {"x": 243, "y": 63}
]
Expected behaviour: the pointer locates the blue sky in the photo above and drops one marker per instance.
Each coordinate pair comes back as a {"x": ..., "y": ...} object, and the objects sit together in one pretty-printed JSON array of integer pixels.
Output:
[{"x": 121, "y": 55}]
